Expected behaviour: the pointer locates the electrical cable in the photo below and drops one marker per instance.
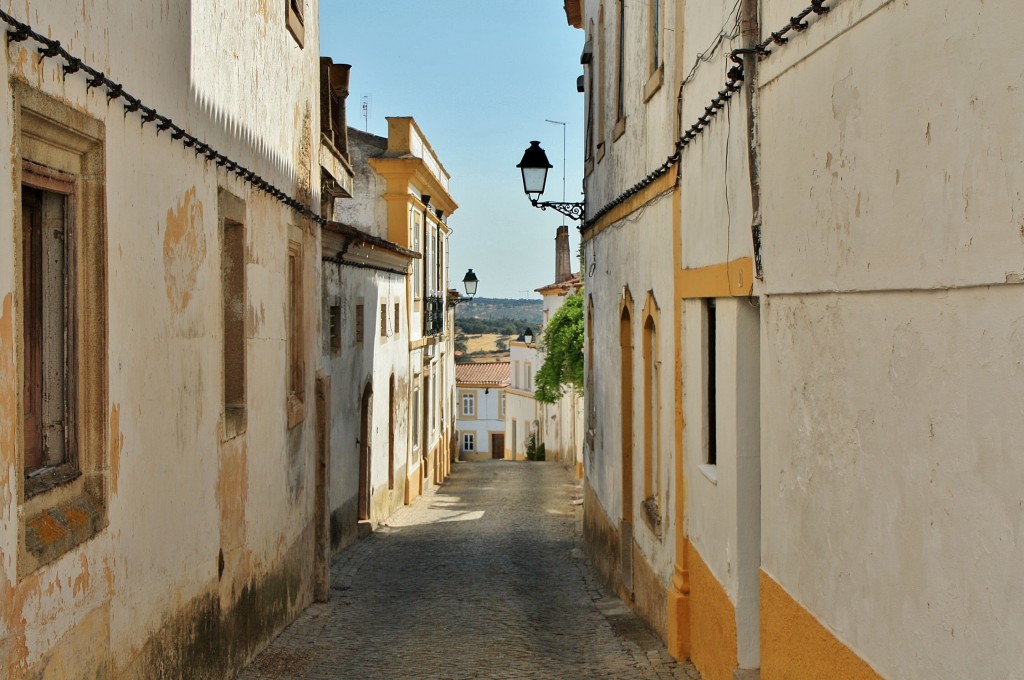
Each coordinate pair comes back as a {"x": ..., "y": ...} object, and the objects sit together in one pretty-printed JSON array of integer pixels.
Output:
[
  {"x": 52, "y": 49},
  {"x": 733, "y": 83}
]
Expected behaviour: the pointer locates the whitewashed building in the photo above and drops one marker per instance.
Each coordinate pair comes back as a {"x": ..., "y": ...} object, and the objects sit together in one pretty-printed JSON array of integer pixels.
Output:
[
  {"x": 402, "y": 204},
  {"x": 480, "y": 409},
  {"x": 803, "y": 383},
  {"x": 161, "y": 502}
]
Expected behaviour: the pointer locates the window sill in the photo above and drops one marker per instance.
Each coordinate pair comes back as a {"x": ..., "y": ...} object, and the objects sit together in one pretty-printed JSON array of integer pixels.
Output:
[
  {"x": 234, "y": 422},
  {"x": 60, "y": 519},
  {"x": 296, "y": 411},
  {"x": 711, "y": 472},
  {"x": 654, "y": 83},
  {"x": 619, "y": 130},
  {"x": 600, "y": 152},
  {"x": 50, "y": 479}
]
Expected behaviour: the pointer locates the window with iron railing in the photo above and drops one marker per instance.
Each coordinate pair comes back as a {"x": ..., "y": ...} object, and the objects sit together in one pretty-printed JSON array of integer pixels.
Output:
[{"x": 433, "y": 316}]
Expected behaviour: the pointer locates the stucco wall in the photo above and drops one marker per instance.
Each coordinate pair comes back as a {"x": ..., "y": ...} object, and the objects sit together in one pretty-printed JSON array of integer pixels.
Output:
[
  {"x": 895, "y": 408},
  {"x": 883, "y": 410},
  {"x": 354, "y": 367},
  {"x": 616, "y": 251},
  {"x": 193, "y": 533},
  {"x": 487, "y": 420}
]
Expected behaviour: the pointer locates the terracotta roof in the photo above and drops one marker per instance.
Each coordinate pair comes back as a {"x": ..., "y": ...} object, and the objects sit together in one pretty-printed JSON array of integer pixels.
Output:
[
  {"x": 359, "y": 236},
  {"x": 563, "y": 287},
  {"x": 484, "y": 373}
]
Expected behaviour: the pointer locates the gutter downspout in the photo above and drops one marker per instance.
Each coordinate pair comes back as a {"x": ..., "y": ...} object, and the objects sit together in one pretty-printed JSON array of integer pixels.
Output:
[{"x": 749, "y": 35}]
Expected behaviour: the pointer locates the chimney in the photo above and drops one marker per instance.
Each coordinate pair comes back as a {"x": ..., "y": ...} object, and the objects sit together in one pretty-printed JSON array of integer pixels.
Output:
[{"x": 563, "y": 263}]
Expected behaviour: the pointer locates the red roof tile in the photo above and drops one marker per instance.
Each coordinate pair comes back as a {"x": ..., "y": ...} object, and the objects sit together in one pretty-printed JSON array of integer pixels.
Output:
[{"x": 484, "y": 373}]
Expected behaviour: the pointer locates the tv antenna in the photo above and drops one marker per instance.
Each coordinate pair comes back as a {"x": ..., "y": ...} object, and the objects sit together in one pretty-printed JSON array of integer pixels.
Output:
[
  {"x": 558, "y": 122},
  {"x": 366, "y": 112}
]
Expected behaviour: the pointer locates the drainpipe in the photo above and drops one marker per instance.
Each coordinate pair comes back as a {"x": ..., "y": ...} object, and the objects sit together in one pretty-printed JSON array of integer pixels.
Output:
[{"x": 749, "y": 36}]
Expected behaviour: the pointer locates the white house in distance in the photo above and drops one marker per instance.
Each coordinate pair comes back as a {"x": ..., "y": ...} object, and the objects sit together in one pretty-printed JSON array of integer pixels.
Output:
[
  {"x": 522, "y": 411},
  {"x": 480, "y": 409},
  {"x": 559, "y": 426}
]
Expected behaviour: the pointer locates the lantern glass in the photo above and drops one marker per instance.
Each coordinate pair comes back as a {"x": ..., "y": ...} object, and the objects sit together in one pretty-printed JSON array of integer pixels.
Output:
[
  {"x": 470, "y": 282},
  {"x": 534, "y": 166}
]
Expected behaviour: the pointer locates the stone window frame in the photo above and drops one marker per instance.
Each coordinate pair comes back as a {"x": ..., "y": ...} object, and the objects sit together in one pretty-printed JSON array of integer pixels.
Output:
[
  {"x": 231, "y": 214},
  {"x": 651, "y": 366},
  {"x": 469, "y": 442},
  {"x": 471, "y": 396},
  {"x": 334, "y": 331},
  {"x": 655, "y": 49},
  {"x": 620, "y": 72},
  {"x": 295, "y": 20},
  {"x": 59, "y": 512},
  {"x": 295, "y": 358}
]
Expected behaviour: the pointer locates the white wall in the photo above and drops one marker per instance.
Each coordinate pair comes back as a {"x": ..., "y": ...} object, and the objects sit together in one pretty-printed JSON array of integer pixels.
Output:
[
  {"x": 892, "y": 405},
  {"x": 178, "y": 495},
  {"x": 488, "y": 417}
]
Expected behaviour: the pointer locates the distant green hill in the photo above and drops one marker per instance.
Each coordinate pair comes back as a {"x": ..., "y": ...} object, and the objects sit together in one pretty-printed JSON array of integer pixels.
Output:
[{"x": 498, "y": 315}]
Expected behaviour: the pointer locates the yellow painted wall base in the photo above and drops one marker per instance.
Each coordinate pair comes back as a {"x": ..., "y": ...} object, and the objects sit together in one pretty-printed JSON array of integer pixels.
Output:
[
  {"x": 677, "y": 615},
  {"x": 649, "y": 594},
  {"x": 796, "y": 646},
  {"x": 713, "y": 622}
]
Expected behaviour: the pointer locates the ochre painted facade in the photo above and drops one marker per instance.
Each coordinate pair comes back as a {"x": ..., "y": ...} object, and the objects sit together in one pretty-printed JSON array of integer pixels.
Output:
[{"x": 796, "y": 646}]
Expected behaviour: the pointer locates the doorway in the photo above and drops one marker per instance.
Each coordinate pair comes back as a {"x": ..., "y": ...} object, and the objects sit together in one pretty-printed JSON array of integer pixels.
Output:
[
  {"x": 498, "y": 446},
  {"x": 364, "y": 453}
]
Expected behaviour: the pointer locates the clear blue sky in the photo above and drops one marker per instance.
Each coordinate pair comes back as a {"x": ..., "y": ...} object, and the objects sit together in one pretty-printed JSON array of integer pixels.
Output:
[{"x": 480, "y": 77}]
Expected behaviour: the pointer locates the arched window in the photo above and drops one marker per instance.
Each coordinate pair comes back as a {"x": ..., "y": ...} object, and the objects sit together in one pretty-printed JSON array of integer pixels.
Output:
[
  {"x": 652, "y": 407},
  {"x": 626, "y": 393}
]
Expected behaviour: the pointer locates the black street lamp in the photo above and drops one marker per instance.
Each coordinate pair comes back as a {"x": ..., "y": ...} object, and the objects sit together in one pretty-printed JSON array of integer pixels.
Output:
[
  {"x": 528, "y": 336},
  {"x": 469, "y": 282},
  {"x": 535, "y": 166}
]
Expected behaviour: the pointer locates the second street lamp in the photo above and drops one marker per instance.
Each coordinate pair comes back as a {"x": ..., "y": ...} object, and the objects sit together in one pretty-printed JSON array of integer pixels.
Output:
[
  {"x": 469, "y": 282},
  {"x": 535, "y": 166}
]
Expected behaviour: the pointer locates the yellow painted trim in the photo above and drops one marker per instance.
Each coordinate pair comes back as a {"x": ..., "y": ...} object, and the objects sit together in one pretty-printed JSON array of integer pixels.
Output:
[
  {"x": 730, "y": 279},
  {"x": 458, "y": 403},
  {"x": 658, "y": 187},
  {"x": 423, "y": 342},
  {"x": 677, "y": 606},
  {"x": 796, "y": 646},
  {"x": 518, "y": 393},
  {"x": 713, "y": 627}
]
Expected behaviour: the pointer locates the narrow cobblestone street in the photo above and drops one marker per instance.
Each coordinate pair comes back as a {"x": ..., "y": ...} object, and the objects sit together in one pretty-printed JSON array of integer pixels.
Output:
[{"x": 483, "y": 579}]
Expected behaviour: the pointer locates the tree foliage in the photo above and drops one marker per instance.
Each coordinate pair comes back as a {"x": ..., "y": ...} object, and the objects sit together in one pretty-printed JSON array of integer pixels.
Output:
[{"x": 563, "y": 348}]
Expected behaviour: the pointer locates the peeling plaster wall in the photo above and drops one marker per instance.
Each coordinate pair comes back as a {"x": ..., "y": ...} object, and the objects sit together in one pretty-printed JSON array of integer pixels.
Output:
[
  {"x": 201, "y": 532},
  {"x": 365, "y": 210},
  {"x": 352, "y": 368},
  {"x": 611, "y": 259},
  {"x": 892, "y": 417},
  {"x": 615, "y": 252},
  {"x": 714, "y": 185}
]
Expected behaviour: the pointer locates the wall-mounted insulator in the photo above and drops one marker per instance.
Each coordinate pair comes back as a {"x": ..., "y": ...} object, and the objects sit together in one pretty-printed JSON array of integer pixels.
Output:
[
  {"x": 52, "y": 49},
  {"x": 18, "y": 34}
]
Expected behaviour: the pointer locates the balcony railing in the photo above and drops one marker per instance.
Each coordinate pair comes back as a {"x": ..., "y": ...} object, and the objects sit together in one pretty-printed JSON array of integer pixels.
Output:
[{"x": 433, "y": 316}]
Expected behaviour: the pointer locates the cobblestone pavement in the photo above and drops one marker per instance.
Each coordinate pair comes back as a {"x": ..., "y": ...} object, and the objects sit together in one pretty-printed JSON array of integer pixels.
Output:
[{"x": 482, "y": 579}]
